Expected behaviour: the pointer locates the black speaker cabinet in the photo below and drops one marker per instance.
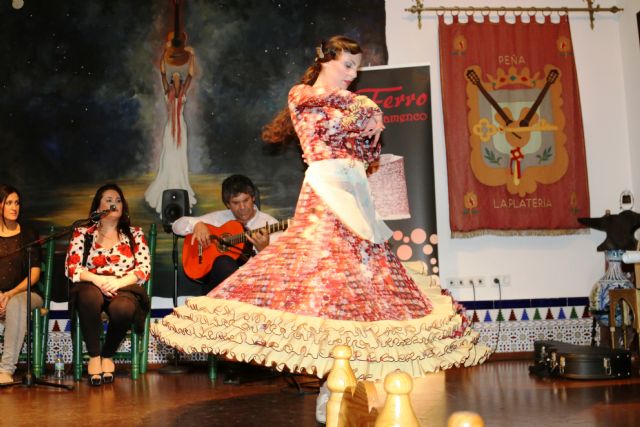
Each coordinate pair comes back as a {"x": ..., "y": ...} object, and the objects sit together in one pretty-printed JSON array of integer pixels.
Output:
[{"x": 175, "y": 204}]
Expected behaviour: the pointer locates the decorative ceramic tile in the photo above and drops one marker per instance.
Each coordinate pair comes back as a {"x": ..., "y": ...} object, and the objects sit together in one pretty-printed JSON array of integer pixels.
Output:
[{"x": 510, "y": 328}]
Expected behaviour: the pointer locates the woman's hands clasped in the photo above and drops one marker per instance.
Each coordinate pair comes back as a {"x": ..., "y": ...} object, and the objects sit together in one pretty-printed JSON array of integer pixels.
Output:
[{"x": 108, "y": 285}]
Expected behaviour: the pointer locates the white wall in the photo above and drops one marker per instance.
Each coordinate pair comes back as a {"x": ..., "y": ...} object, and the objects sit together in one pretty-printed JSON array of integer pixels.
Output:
[
  {"x": 542, "y": 267},
  {"x": 630, "y": 48}
]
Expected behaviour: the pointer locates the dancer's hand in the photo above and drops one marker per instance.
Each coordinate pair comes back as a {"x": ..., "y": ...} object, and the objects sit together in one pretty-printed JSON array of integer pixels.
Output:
[{"x": 374, "y": 127}]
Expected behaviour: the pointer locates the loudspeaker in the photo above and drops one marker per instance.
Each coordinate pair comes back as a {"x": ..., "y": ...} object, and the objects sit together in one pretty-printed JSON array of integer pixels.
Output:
[{"x": 175, "y": 204}]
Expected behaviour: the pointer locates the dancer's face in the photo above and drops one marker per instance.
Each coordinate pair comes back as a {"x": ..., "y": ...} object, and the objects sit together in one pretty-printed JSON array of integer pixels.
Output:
[
  {"x": 242, "y": 207},
  {"x": 340, "y": 72},
  {"x": 11, "y": 208}
]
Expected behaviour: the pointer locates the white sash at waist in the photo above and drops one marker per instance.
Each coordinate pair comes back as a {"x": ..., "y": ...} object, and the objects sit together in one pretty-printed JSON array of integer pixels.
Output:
[{"x": 342, "y": 184}]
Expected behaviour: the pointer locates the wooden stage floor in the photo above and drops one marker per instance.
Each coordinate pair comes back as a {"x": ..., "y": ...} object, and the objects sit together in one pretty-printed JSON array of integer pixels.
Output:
[{"x": 501, "y": 391}]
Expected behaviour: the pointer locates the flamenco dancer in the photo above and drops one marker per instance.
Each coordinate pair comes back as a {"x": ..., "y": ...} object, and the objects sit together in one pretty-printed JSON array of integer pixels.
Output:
[{"x": 331, "y": 278}]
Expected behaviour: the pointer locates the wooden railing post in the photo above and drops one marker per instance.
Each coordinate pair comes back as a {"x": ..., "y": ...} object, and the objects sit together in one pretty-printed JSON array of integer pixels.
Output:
[
  {"x": 465, "y": 419},
  {"x": 341, "y": 379},
  {"x": 397, "y": 410}
]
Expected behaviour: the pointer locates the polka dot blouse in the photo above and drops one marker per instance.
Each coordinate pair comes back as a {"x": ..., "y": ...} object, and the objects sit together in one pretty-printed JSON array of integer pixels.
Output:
[{"x": 117, "y": 261}]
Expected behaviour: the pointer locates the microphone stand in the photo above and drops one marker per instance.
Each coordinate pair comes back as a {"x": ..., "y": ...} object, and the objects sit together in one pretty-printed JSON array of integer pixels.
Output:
[
  {"x": 174, "y": 368},
  {"x": 28, "y": 379}
]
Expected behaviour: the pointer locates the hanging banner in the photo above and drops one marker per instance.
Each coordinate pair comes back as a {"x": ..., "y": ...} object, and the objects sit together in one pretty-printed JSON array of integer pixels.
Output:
[
  {"x": 403, "y": 187},
  {"x": 513, "y": 128}
]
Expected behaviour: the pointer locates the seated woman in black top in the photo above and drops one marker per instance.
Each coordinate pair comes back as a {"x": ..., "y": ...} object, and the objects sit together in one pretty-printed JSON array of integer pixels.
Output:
[{"x": 13, "y": 279}]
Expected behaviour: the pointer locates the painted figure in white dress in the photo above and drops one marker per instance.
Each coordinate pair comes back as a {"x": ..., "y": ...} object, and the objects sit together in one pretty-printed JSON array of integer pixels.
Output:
[{"x": 173, "y": 171}]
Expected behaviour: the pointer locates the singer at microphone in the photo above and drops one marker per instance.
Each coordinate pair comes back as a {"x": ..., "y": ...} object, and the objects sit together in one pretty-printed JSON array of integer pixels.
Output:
[
  {"x": 98, "y": 215},
  {"x": 108, "y": 263}
]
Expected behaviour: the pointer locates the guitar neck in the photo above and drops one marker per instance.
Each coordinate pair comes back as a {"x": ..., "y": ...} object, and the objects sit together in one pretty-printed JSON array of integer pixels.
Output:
[
  {"x": 476, "y": 81},
  {"x": 270, "y": 228},
  {"x": 536, "y": 104},
  {"x": 551, "y": 78}
]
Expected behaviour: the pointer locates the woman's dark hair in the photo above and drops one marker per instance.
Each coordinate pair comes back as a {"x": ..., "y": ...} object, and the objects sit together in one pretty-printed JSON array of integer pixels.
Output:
[
  {"x": 124, "y": 223},
  {"x": 236, "y": 184},
  {"x": 280, "y": 129},
  {"x": 5, "y": 191}
]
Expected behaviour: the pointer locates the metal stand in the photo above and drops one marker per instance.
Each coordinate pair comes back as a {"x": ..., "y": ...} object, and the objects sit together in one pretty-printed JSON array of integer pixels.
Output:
[
  {"x": 29, "y": 380},
  {"x": 310, "y": 386},
  {"x": 174, "y": 367}
]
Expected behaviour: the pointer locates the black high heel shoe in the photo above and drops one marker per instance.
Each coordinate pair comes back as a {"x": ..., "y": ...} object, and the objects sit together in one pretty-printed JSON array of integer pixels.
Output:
[
  {"x": 107, "y": 377},
  {"x": 108, "y": 368},
  {"x": 95, "y": 380}
]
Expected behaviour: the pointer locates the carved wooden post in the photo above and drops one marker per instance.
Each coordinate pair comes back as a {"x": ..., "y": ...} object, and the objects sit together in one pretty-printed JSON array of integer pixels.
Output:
[
  {"x": 341, "y": 379},
  {"x": 397, "y": 410}
]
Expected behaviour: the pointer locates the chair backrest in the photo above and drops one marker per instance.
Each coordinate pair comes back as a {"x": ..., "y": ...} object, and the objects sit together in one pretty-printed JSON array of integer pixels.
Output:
[
  {"x": 144, "y": 350},
  {"x": 40, "y": 327},
  {"x": 46, "y": 275},
  {"x": 151, "y": 241}
]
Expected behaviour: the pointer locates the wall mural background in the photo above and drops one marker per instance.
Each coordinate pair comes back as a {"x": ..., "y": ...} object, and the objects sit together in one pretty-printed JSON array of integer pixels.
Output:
[{"x": 83, "y": 103}]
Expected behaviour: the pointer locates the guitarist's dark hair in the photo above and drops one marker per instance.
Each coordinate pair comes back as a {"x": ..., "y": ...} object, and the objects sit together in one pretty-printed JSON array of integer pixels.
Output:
[{"x": 236, "y": 184}]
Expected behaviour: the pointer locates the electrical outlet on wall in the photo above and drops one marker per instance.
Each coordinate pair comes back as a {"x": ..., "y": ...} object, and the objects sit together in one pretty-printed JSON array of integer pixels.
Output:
[
  {"x": 466, "y": 282},
  {"x": 476, "y": 281},
  {"x": 455, "y": 282},
  {"x": 500, "y": 280}
]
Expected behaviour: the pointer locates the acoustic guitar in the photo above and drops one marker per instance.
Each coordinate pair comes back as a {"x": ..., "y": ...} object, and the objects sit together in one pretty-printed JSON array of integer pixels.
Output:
[
  {"x": 230, "y": 239},
  {"x": 176, "y": 54}
]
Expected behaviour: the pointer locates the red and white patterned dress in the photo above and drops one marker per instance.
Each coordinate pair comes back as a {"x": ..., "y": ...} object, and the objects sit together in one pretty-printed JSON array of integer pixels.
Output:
[
  {"x": 117, "y": 261},
  {"x": 321, "y": 284}
]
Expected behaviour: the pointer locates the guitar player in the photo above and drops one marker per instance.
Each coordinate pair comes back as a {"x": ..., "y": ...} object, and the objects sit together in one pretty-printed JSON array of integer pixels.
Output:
[{"x": 239, "y": 196}]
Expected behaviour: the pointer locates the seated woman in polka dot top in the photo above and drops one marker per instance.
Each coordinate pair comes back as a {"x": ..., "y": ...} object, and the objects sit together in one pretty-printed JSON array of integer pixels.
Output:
[{"x": 107, "y": 263}]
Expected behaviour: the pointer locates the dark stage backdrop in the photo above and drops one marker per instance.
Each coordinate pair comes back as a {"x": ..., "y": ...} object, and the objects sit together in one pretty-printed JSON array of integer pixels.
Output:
[
  {"x": 404, "y": 95},
  {"x": 82, "y": 101}
]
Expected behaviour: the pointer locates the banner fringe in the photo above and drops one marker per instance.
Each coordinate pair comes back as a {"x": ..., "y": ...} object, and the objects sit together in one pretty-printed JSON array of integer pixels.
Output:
[{"x": 489, "y": 232}]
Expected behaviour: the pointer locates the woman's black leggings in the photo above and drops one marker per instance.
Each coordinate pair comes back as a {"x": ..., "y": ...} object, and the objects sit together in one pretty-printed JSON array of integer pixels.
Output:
[{"x": 90, "y": 303}]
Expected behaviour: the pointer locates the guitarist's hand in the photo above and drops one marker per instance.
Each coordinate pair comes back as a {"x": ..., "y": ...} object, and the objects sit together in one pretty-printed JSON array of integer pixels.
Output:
[
  {"x": 259, "y": 238},
  {"x": 201, "y": 234}
]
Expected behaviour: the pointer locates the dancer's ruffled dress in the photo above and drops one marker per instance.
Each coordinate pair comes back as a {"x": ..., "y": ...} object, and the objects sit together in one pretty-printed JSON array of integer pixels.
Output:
[{"x": 331, "y": 278}]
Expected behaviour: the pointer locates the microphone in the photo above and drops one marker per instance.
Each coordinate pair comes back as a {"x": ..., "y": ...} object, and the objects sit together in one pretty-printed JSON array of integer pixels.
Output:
[{"x": 98, "y": 215}]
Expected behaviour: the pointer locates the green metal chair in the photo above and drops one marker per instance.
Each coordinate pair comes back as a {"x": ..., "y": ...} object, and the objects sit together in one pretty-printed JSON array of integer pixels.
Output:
[
  {"x": 139, "y": 352},
  {"x": 40, "y": 316}
]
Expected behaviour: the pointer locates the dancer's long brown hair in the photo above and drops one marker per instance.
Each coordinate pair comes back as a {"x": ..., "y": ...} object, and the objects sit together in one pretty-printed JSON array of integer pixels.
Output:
[{"x": 280, "y": 129}]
